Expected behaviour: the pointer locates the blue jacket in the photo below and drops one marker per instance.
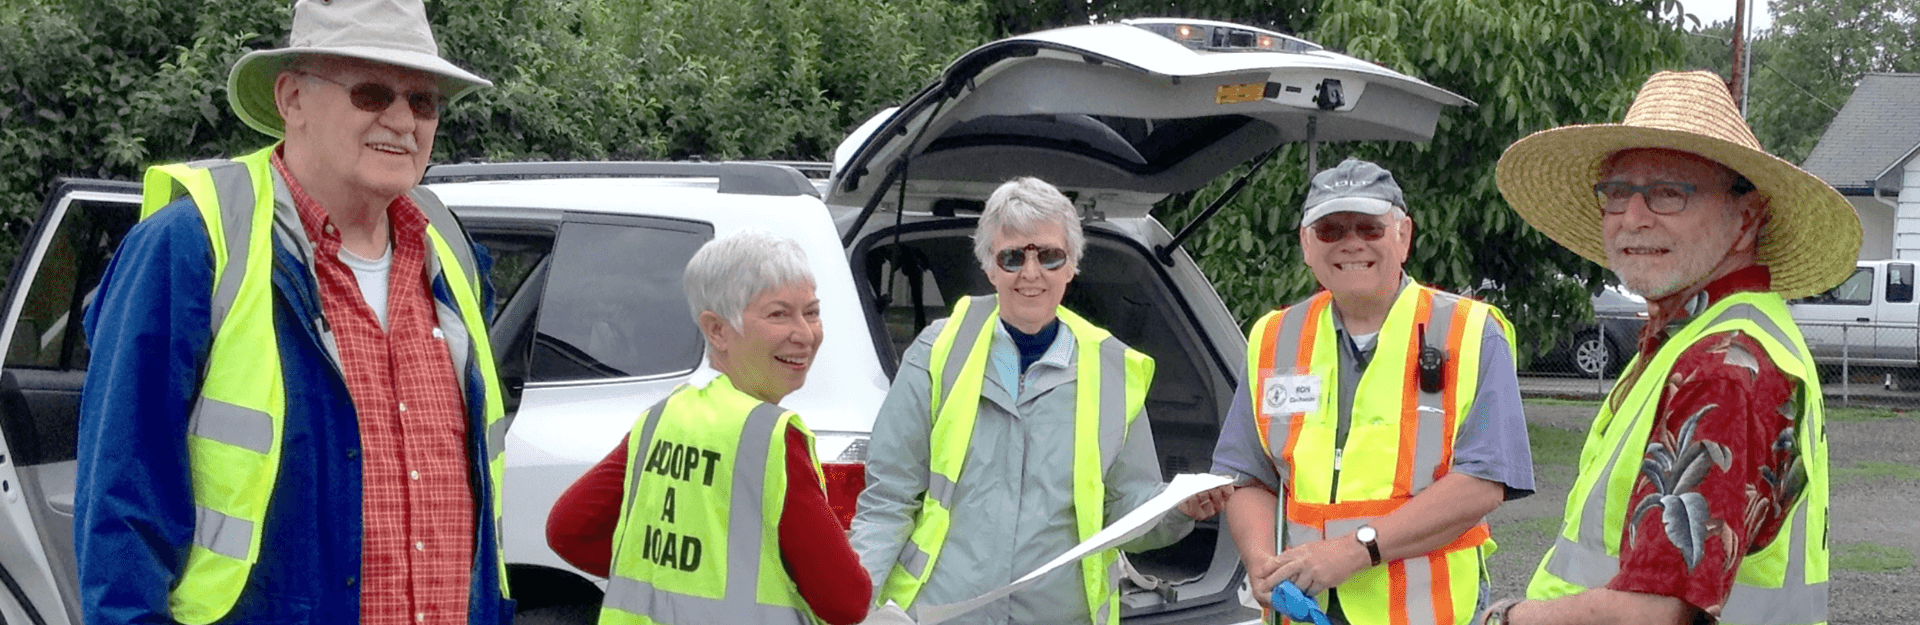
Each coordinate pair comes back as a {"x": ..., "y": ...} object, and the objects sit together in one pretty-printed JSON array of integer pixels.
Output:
[{"x": 133, "y": 505}]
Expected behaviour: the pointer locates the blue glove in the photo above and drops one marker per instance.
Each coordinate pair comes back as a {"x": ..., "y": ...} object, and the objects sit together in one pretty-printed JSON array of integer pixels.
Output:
[{"x": 1296, "y": 605}]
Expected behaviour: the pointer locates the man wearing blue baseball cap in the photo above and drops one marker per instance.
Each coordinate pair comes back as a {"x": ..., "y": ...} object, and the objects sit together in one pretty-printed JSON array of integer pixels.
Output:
[
  {"x": 292, "y": 412},
  {"x": 1379, "y": 423}
]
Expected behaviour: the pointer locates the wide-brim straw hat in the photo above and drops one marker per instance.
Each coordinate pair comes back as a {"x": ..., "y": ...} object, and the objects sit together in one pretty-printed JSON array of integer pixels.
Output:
[
  {"x": 394, "y": 32},
  {"x": 1812, "y": 235}
]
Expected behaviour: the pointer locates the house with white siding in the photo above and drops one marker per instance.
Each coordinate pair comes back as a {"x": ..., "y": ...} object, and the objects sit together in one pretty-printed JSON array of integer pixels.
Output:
[{"x": 1871, "y": 154}]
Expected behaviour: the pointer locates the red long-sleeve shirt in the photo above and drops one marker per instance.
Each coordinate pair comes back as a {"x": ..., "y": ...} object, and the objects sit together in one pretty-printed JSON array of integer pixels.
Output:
[{"x": 812, "y": 544}]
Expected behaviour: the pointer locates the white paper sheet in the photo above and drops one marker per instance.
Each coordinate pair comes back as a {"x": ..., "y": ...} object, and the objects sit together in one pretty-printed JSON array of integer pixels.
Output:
[{"x": 1130, "y": 526}]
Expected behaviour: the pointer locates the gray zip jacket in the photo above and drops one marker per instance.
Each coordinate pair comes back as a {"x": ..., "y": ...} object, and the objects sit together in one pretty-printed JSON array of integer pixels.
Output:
[{"x": 1013, "y": 508}]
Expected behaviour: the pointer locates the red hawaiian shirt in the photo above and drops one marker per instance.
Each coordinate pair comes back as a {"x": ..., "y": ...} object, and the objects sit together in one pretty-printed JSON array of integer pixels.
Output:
[
  {"x": 1723, "y": 445},
  {"x": 417, "y": 506}
]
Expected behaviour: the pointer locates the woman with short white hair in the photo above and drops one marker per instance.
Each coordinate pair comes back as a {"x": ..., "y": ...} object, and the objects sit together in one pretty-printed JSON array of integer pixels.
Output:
[
  {"x": 1013, "y": 431},
  {"x": 725, "y": 498}
]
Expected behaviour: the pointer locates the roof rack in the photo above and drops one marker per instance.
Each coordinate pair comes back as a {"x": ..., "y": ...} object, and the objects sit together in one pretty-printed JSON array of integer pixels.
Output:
[{"x": 736, "y": 177}]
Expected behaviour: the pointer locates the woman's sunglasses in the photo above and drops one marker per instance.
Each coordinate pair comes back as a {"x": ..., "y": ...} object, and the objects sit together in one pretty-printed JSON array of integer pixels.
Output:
[
  {"x": 374, "y": 97},
  {"x": 1013, "y": 258}
]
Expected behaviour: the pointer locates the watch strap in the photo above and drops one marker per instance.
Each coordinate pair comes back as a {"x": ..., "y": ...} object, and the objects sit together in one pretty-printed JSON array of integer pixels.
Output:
[{"x": 1373, "y": 546}]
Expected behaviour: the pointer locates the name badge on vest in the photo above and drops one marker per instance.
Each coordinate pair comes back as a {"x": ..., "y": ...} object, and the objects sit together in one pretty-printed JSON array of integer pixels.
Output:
[{"x": 1289, "y": 394}]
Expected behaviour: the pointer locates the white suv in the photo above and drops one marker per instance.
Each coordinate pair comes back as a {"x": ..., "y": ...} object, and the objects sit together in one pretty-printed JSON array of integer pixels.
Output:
[{"x": 591, "y": 326}]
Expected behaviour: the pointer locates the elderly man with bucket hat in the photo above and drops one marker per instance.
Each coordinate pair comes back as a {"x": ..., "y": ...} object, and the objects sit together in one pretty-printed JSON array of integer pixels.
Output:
[
  {"x": 1378, "y": 425},
  {"x": 1702, "y": 491},
  {"x": 292, "y": 411}
]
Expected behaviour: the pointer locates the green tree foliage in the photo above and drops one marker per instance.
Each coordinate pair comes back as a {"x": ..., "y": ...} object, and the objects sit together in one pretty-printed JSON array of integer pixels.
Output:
[
  {"x": 105, "y": 89},
  {"x": 1530, "y": 65},
  {"x": 1814, "y": 56}
]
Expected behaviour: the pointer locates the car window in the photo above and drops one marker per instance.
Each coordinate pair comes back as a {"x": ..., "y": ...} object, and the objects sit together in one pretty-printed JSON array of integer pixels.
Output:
[
  {"x": 1900, "y": 282},
  {"x": 613, "y": 306},
  {"x": 48, "y": 335},
  {"x": 1856, "y": 291}
]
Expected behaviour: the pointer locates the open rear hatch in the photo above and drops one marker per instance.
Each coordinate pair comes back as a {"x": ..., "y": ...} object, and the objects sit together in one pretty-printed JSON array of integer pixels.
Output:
[{"x": 1117, "y": 116}]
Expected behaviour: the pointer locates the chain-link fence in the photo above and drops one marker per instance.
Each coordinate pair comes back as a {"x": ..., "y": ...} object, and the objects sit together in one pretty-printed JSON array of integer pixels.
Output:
[{"x": 1860, "y": 363}]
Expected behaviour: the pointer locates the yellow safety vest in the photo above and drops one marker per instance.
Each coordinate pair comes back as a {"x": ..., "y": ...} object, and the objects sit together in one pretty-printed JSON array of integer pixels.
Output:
[
  {"x": 1785, "y": 582},
  {"x": 1111, "y": 383},
  {"x": 237, "y": 421},
  {"x": 1400, "y": 441},
  {"x": 699, "y": 541}
]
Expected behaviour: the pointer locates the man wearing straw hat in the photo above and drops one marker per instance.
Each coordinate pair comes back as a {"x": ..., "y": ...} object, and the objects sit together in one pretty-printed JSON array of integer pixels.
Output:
[
  {"x": 292, "y": 412},
  {"x": 1703, "y": 485}
]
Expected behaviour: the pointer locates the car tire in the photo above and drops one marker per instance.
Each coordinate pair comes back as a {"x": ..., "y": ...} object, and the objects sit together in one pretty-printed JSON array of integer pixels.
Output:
[{"x": 1591, "y": 356}]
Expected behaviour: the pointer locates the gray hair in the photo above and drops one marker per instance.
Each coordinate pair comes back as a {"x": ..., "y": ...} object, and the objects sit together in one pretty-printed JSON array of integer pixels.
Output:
[
  {"x": 1022, "y": 205},
  {"x": 729, "y": 271}
]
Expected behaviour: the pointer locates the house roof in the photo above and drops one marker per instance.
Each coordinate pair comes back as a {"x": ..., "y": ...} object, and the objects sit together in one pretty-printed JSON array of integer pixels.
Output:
[{"x": 1875, "y": 131}]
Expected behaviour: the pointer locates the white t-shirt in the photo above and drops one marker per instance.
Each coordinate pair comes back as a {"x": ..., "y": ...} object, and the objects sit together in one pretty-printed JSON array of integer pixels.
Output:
[{"x": 372, "y": 276}]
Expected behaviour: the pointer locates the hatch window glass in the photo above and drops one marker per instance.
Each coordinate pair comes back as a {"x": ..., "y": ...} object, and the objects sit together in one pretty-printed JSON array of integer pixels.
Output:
[{"x": 48, "y": 334}]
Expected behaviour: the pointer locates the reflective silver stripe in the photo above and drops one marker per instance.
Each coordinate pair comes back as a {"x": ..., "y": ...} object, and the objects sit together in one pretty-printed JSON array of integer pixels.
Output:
[
  {"x": 940, "y": 489},
  {"x": 671, "y": 608},
  {"x": 640, "y": 456},
  {"x": 744, "y": 521},
  {"x": 444, "y": 222},
  {"x": 225, "y": 535},
  {"x": 1286, "y": 342},
  {"x": 1112, "y": 411},
  {"x": 1753, "y": 313},
  {"x": 234, "y": 184},
  {"x": 239, "y": 426},
  {"x": 975, "y": 322},
  {"x": 1106, "y": 613},
  {"x": 496, "y": 438},
  {"x": 914, "y": 559},
  {"x": 1420, "y": 591},
  {"x": 1581, "y": 565},
  {"x": 1795, "y": 602},
  {"x": 1432, "y": 436}
]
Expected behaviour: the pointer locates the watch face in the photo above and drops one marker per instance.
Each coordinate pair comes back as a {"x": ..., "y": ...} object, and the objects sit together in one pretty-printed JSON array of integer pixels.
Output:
[{"x": 1365, "y": 534}]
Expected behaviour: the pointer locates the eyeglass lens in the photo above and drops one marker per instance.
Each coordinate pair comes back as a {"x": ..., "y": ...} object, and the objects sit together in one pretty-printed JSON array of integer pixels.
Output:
[
  {"x": 374, "y": 97},
  {"x": 1663, "y": 198},
  {"x": 1333, "y": 233},
  {"x": 1014, "y": 258}
]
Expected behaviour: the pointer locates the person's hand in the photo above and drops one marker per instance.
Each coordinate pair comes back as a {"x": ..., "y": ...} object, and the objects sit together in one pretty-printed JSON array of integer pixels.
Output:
[
  {"x": 1321, "y": 564},
  {"x": 1203, "y": 506},
  {"x": 1261, "y": 577}
]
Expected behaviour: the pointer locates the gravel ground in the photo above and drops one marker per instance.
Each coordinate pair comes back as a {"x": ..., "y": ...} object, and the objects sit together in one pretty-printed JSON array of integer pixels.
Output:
[{"x": 1875, "y": 514}]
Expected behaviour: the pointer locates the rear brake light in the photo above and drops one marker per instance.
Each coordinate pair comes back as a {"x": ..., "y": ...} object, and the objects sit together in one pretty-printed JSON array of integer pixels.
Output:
[{"x": 844, "y": 482}]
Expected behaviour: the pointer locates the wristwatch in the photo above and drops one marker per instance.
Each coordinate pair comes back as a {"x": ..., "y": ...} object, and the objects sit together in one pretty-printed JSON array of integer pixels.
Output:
[{"x": 1371, "y": 539}]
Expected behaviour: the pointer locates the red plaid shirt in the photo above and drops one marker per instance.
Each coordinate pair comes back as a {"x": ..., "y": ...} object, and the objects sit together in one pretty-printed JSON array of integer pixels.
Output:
[{"x": 417, "y": 507}]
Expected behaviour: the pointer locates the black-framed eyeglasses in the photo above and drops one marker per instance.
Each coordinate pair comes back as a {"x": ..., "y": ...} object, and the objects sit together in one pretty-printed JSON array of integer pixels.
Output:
[
  {"x": 1013, "y": 259},
  {"x": 1663, "y": 197},
  {"x": 374, "y": 97},
  {"x": 1329, "y": 232}
]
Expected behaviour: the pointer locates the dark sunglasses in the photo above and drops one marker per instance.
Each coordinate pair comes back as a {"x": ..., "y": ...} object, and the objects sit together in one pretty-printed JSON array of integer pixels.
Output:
[
  {"x": 1013, "y": 258},
  {"x": 1333, "y": 232},
  {"x": 374, "y": 97}
]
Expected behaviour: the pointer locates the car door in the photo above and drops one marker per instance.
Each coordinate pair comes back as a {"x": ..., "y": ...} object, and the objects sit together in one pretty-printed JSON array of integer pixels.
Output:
[
  {"x": 1834, "y": 322},
  {"x": 46, "y": 363},
  {"x": 1896, "y": 317}
]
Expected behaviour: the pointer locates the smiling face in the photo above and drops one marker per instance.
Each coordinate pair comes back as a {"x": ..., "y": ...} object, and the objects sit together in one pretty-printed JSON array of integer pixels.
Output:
[
  {"x": 1352, "y": 267},
  {"x": 1030, "y": 297},
  {"x": 769, "y": 355},
  {"x": 341, "y": 154},
  {"x": 1658, "y": 255}
]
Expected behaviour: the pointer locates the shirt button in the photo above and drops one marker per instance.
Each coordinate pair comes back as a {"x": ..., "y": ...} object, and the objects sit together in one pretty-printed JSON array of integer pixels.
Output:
[
  {"x": 420, "y": 617},
  {"x": 414, "y": 474},
  {"x": 438, "y": 334},
  {"x": 332, "y": 230},
  {"x": 419, "y": 545},
  {"x": 403, "y": 406}
]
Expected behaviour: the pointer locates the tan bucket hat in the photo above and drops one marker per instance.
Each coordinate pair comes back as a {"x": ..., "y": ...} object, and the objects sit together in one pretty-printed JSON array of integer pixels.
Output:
[
  {"x": 394, "y": 32},
  {"x": 1811, "y": 238}
]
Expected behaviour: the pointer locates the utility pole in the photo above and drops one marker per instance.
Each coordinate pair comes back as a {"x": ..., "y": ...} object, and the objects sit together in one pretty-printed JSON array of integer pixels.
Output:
[{"x": 1737, "y": 85}]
